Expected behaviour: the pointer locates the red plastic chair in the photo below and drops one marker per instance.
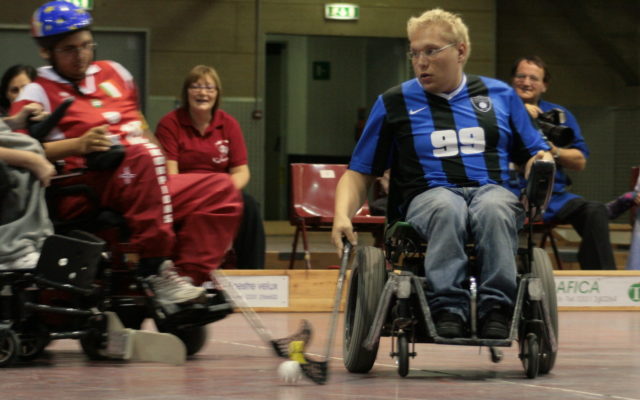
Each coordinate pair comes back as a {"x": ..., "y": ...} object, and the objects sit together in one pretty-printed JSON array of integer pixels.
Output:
[{"x": 313, "y": 188}]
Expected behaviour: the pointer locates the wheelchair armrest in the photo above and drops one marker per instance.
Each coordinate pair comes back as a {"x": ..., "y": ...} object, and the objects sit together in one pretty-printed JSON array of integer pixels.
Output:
[
  {"x": 40, "y": 130},
  {"x": 539, "y": 185}
]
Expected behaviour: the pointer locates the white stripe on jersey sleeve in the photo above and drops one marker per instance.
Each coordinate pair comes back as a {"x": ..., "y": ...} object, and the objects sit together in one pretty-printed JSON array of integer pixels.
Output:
[
  {"x": 124, "y": 73},
  {"x": 34, "y": 93}
]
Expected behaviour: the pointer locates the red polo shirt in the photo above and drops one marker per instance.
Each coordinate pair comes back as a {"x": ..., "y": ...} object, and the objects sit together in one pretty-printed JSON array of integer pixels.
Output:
[{"x": 221, "y": 147}]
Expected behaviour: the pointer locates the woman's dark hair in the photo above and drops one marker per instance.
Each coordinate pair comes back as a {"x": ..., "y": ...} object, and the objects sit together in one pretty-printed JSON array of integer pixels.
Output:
[{"x": 8, "y": 76}]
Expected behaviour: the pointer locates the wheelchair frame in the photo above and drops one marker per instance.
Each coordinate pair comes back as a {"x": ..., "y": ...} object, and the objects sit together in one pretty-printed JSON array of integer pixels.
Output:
[
  {"x": 110, "y": 284},
  {"x": 31, "y": 317},
  {"x": 133, "y": 300},
  {"x": 387, "y": 298}
]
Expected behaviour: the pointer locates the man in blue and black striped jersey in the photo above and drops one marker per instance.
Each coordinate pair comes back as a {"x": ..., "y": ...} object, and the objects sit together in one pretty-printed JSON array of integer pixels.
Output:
[
  {"x": 530, "y": 79},
  {"x": 448, "y": 138}
]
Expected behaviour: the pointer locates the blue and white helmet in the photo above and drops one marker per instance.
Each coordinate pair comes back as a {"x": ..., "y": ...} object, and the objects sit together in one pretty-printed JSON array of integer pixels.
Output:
[{"x": 58, "y": 17}]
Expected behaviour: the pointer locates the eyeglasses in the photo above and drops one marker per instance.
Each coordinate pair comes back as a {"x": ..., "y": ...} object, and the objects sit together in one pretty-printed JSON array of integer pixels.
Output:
[
  {"x": 206, "y": 88},
  {"x": 73, "y": 50},
  {"x": 429, "y": 53},
  {"x": 532, "y": 78}
]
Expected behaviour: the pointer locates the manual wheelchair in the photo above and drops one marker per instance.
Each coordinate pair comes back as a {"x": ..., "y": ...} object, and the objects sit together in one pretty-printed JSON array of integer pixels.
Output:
[{"x": 386, "y": 297}]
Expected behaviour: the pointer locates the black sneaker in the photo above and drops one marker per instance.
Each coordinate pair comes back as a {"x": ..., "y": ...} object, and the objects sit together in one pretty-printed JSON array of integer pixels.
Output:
[
  {"x": 495, "y": 325},
  {"x": 449, "y": 325}
]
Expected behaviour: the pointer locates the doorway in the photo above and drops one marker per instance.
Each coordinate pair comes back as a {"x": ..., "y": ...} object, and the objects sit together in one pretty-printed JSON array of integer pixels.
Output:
[{"x": 318, "y": 91}]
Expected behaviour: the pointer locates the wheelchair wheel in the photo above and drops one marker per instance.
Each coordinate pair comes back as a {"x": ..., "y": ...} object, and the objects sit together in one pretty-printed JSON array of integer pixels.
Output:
[
  {"x": 530, "y": 355},
  {"x": 542, "y": 268},
  {"x": 368, "y": 276},
  {"x": 32, "y": 344},
  {"x": 94, "y": 341},
  {"x": 94, "y": 344},
  {"x": 193, "y": 338},
  {"x": 403, "y": 355},
  {"x": 9, "y": 347}
]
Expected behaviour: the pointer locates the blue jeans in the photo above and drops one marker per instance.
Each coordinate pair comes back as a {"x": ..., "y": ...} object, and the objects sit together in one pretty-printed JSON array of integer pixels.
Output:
[
  {"x": 448, "y": 218},
  {"x": 634, "y": 251}
]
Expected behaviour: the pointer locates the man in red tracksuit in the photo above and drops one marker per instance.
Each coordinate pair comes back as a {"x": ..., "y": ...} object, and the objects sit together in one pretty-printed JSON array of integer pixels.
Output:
[{"x": 191, "y": 218}]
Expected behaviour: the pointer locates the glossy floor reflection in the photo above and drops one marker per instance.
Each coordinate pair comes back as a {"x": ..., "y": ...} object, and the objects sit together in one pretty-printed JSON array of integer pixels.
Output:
[{"x": 599, "y": 358}]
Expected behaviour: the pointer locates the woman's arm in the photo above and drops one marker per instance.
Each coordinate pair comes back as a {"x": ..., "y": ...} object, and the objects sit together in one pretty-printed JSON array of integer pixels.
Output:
[{"x": 240, "y": 176}]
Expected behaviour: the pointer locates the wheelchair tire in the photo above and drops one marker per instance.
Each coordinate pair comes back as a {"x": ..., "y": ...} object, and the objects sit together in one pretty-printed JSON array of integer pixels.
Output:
[
  {"x": 403, "y": 355},
  {"x": 530, "y": 354},
  {"x": 194, "y": 338},
  {"x": 94, "y": 344},
  {"x": 94, "y": 341},
  {"x": 542, "y": 268},
  {"x": 9, "y": 347},
  {"x": 32, "y": 344},
  {"x": 368, "y": 276}
]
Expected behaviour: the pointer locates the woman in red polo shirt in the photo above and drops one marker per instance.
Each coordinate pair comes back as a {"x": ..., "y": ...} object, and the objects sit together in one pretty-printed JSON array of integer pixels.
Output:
[{"x": 200, "y": 137}]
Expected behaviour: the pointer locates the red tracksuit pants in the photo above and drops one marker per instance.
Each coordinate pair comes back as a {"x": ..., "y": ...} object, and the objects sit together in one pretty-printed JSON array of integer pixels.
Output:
[{"x": 192, "y": 218}]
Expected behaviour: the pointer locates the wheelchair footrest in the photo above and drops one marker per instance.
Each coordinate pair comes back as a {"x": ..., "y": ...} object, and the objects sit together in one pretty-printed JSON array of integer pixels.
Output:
[{"x": 176, "y": 316}]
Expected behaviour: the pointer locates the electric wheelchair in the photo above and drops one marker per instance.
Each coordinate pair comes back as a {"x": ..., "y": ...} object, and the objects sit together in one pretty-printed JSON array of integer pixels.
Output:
[
  {"x": 31, "y": 313},
  {"x": 83, "y": 278},
  {"x": 386, "y": 297},
  {"x": 123, "y": 293}
]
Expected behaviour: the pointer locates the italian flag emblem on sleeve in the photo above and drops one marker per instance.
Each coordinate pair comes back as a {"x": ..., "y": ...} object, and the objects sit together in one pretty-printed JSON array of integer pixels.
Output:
[{"x": 110, "y": 89}]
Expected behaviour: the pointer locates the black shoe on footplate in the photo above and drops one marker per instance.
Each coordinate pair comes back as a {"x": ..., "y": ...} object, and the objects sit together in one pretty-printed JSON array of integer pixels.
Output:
[
  {"x": 495, "y": 325},
  {"x": 449, "y": 325}
]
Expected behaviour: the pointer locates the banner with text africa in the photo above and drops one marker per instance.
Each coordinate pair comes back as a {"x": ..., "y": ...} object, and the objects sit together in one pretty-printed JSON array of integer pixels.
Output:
[{"x": 598, "y": 291}]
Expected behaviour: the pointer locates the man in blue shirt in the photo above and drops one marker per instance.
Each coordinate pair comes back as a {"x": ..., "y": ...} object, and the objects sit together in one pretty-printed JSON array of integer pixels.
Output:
[
  {"x": 448, "y": 138},
  {"x": 530, "y": 79}
]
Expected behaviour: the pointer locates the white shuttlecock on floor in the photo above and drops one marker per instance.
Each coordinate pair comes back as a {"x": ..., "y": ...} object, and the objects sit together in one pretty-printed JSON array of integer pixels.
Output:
[{"x": 290, "y": 371}]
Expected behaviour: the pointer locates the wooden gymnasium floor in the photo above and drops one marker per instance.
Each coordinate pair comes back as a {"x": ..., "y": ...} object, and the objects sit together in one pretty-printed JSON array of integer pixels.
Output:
[{"x": 599, "y": 358}]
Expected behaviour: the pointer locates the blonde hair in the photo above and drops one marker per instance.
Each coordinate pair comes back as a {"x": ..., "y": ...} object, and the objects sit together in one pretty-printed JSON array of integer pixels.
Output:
[
  {"x": 456, "y": 31},
  {"x": 197, "y": 72}
]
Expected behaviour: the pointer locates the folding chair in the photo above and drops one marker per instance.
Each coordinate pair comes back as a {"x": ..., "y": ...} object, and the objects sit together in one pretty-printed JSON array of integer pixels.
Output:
[{"x": 313, "y": 188}]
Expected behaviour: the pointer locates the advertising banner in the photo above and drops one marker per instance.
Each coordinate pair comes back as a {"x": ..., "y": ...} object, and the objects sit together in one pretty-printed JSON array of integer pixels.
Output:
[
  {"x": 598, "y": 291},
  {"x": 263, "y": 291}
]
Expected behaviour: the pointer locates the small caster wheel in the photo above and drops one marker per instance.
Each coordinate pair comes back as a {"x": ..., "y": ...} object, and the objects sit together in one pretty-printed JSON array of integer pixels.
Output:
[
  {"x": 9, "y": 347},
  {"x": 403, "y": 355},
  {"x": 496, "y": 354},
  {"x": 530, "y": 355}
]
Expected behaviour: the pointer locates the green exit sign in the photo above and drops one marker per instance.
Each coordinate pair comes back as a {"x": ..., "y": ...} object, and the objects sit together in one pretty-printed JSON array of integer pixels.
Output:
[
  {"x": 86, "y": 4},
  {"x": 342, "y": 11}
]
